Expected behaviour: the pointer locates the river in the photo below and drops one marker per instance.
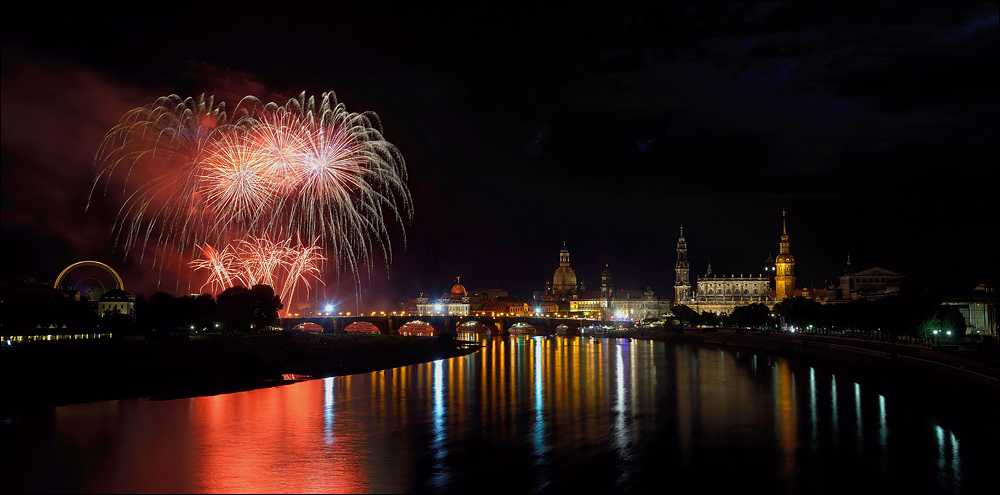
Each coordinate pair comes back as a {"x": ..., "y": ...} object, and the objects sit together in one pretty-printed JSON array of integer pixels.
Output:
[{"x": 525, "y": 414}]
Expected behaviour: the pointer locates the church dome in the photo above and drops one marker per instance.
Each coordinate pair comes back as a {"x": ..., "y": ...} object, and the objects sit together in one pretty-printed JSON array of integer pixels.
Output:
[
  {"x": 564, "y": 279},
  {"x": 785, "y": 258},
  {"x": 458, "y": 291}
]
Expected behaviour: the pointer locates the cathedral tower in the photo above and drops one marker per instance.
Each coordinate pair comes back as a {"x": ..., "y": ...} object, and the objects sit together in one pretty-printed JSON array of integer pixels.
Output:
[
  {"x": 682, "y": 285},
  {"x": 784, "y": 279}
]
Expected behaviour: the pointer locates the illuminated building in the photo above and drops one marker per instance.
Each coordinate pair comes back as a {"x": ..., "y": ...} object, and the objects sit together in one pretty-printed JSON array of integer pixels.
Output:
[
  {"x": 872, "y": 283},
  {"x": 607, "y": 285},
  {"x": 718, "y": 294},
  {"x": 608, "y": 303},
  {"x": 682, "y": 271},
  {"x": 784, "y": 279},
  {"x": 116, "y": 300},
  {"x": 564, "y": 279},
  {"x": 722, "y": 294},
  {"x": 454, "y": 303},
  {"x": 638, "y": 305},
  {"x": 979, "y": 309}
]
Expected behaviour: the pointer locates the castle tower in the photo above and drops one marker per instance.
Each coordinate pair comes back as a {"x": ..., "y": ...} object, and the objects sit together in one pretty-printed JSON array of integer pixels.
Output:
[
  {"x": 784, "y": 279},
  {"x": 607, "y": 285},
  {"x": 682, "y": 284}
]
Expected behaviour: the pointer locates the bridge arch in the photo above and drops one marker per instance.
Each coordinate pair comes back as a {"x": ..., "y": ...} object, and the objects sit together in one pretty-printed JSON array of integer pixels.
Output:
[
  {"x": 564, "y": 329},
  {"x": 474, "y": 326},
  {"x": 523, "y": 328},
  {"x": 417, "y": 327},
  {"x": 361, "y": 327},
  {"x": 98, "y": 264}
]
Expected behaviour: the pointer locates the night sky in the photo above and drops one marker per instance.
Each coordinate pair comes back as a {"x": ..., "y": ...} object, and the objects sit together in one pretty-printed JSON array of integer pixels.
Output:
[{"x": 875, "y": 125}]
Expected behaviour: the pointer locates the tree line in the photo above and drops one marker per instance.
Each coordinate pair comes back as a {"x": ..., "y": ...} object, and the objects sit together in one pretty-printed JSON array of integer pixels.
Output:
[
  {"x": 235, "y": 310},
  {"x": 913, "y": 316}
]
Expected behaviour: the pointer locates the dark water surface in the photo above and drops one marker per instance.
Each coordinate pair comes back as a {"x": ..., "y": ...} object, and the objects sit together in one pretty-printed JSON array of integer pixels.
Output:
[{"x": 526, "y": 414}]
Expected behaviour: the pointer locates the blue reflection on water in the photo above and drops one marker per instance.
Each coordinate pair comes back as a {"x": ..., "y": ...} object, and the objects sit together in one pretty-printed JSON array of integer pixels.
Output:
[
  {"x": 883, "y": 429},
  {"x": 620, "y": 428},
  {"x": 328, "y": 409},
  {"x": 857, "y": 412},
  {"x": 442, "y": 475},
  {"x": 539, "y": 433},
  {"x": 812, "y": 407},
  {"x": 948, "y": 450},
  {"x": 833, "y": 407}
]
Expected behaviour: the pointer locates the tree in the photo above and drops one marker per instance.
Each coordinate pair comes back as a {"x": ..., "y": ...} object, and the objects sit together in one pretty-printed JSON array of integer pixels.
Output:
[
  {"x": 116, "y": 322},
  {"x": 943, "y": 318},
  {"x": 752, "y": 315},
  {"x": 685, "y": 314},
  {"x": 265, "y": 306},
  {"x": 240, "y": 308},
  {"x": 236, "y": 309}
]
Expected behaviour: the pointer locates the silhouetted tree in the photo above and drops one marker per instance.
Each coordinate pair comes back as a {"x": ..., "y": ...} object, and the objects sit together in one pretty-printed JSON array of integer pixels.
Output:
[
  {"x": 115, "y": 322},
  {"x": 753, "y": 315},
  {"x": 265, "y": 306},
  {"x": 685, "y": 314},
  {"x": 236, "y": 309},
  {"x": 240, "y": 308}
]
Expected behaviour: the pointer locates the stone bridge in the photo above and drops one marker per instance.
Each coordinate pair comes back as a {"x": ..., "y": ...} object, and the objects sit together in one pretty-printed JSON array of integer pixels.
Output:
[{"x": 497, "y": 325}]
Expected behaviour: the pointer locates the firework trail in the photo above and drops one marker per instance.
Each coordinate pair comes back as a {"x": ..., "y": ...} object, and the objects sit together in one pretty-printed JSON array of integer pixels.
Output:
[
  {"x": 262, "y": 261},
  {"x": 220, "y": 266},
  {"x": 193, "y": 176}
]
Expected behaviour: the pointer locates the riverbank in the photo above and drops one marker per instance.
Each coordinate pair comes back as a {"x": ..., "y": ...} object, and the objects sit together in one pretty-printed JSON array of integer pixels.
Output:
[{"x": 53, "y": 375}]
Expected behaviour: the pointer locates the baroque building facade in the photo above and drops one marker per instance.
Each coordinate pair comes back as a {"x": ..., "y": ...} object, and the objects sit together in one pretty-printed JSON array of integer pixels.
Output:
[
  {"x": 609, "y": 303},
  {"x": 722, "y": 294},
  {"x": 454, "y": 303}
]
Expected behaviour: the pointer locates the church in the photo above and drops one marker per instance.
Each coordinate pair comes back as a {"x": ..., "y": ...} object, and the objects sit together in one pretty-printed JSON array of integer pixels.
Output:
[
  {"x": 606, "y": 303},
  {"x": 721, "y": 294},
  {"x": 453, "y": 303}
]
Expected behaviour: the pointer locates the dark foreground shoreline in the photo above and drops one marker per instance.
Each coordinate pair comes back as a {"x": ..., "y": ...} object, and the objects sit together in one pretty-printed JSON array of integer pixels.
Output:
[{"x": 46, "y": 376}]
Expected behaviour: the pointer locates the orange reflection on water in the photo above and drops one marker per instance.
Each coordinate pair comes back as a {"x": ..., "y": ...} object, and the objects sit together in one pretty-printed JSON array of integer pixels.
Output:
[
  {"x": 787, "y": 418},
  {"x": 253, "y": 443}
]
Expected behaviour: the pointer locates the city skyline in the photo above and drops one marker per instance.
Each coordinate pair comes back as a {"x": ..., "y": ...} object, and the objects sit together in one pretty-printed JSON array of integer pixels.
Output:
[{"x": 872, "y": 126}]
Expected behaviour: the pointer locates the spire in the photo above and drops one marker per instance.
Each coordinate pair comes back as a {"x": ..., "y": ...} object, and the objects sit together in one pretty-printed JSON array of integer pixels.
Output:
[
  {"x": 784, "y": 232},
  {"x": 783, "y": 245}
]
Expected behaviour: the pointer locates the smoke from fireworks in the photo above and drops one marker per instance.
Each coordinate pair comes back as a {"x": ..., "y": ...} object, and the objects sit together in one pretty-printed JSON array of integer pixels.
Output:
[{"x": 194, "y": 176}]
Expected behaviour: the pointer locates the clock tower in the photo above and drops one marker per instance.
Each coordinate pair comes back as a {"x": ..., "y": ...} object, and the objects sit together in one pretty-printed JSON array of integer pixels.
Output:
[{"x": 784, "y": 279}]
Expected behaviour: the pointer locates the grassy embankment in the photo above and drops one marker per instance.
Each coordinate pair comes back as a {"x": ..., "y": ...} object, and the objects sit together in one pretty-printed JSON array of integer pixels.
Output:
[{"x": 50, "y": 374}]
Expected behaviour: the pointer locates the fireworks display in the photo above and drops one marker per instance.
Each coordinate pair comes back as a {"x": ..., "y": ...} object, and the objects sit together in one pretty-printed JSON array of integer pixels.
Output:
[{"x": 194, "y": 176}]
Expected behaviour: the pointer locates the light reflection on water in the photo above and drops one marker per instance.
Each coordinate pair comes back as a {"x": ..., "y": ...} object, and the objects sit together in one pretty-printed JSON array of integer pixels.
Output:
[{"x": 534, "y": 414}]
